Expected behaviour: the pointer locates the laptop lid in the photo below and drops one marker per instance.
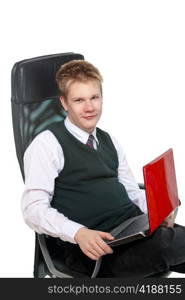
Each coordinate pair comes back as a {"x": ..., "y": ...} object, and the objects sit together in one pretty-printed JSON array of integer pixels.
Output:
[{"x": 161, "y": 188}]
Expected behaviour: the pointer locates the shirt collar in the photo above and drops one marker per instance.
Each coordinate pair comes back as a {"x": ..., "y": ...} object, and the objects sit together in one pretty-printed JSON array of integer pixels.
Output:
[{"x": 79, "y": 133}]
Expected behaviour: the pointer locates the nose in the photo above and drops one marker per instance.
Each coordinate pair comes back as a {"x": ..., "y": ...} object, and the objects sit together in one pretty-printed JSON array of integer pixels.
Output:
[{"x": 88, "y": 105}]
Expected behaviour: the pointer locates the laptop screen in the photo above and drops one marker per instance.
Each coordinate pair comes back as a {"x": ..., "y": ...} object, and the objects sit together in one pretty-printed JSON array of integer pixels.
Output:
[{"x": 161, "y": 188}]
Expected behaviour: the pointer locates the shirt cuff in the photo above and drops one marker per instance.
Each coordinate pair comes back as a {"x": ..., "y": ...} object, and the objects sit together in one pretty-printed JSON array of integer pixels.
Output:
[{"x": 69, "y": 230}]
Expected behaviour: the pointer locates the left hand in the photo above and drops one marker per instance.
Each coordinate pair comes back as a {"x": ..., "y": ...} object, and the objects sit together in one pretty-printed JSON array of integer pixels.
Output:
[{"x": 169, "y": 221}]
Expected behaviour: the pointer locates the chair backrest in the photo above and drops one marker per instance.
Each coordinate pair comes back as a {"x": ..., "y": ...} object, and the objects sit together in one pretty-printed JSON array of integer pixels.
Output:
[
  {"x": 35, "y": 98},
  {"x": 35, "y": 105}
]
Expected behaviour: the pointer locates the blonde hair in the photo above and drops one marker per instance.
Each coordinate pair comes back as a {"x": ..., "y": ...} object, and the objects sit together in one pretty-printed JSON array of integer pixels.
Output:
[{"x": 76, "y": 70}]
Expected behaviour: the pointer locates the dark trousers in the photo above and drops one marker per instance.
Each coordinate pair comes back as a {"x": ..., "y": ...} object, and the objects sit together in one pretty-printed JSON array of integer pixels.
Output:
[{"x": 162, "y": 251}]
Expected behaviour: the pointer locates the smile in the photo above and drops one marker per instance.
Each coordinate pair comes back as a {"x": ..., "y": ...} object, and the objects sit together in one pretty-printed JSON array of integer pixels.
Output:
[{"x": 89, "y": 117}]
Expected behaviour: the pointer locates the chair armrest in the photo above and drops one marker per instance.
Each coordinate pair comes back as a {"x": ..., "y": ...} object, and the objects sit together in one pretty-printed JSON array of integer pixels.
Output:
[
  {"x": 51, "y": 267},
  {"x": 97, "y": 267},
  {"x": 48, "y": 260}
]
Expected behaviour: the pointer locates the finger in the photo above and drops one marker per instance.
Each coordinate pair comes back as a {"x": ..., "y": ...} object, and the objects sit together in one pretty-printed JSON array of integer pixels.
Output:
[
  {"x": 106, "y": 235},
  {"x": 98, "y": 249},
  {"x": 106, "y": 248},
  {"x": 94, "y": 249},
  {"x": 92, "y": 256}
]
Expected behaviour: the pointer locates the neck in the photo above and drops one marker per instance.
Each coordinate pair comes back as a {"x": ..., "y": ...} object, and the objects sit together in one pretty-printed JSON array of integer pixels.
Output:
[{"x": 89, "y": 131}]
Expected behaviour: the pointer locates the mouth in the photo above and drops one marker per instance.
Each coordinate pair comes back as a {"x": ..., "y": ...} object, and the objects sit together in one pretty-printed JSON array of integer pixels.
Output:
[{"x": 89, "y": 117}]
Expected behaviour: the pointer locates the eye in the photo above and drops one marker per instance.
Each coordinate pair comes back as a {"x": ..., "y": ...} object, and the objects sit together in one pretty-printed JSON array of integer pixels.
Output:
[
  {"x": 78, "y": 100},
  {"x": 95, "y": 97}
]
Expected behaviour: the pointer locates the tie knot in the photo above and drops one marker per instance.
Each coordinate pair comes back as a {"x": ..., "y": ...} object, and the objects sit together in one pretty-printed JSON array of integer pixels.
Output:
[{"x": 90, "y": 141}]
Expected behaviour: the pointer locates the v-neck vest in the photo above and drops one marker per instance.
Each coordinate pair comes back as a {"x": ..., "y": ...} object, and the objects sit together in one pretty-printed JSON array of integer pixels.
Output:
[{"x": 87, "y": 189}]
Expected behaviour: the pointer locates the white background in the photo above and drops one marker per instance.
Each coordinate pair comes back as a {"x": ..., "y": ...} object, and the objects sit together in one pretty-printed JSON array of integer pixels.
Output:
[{"x": 139, "y": 47}]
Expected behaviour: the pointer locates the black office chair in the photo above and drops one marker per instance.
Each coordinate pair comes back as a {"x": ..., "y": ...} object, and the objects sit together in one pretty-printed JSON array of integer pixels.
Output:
[{"x": 35, "y": 105}]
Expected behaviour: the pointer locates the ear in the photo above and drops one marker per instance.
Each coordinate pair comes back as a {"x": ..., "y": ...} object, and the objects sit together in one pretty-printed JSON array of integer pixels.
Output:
[{"x": 64, "y": 103}]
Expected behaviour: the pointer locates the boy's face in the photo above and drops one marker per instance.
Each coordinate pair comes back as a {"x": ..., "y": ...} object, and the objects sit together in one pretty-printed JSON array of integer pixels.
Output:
[{"x": 84, "y": 104}]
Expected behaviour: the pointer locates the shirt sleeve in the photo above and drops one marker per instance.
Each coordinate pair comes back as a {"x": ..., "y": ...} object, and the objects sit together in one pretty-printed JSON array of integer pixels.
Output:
[
  {"x": 43, "y": 161},
  {"x": 126, "y": 177}
]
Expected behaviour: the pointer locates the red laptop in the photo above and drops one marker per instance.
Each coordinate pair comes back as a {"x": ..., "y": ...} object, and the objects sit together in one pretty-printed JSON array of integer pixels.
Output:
[{"x": 162, "y": 199}]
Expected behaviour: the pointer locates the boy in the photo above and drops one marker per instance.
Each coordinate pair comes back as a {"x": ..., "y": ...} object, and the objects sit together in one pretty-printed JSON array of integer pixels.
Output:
[{"x": 78, "y": 186}]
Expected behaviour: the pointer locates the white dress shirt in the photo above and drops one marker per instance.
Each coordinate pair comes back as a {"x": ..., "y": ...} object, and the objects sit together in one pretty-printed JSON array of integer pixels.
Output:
[{"x": 43, "y": 161}]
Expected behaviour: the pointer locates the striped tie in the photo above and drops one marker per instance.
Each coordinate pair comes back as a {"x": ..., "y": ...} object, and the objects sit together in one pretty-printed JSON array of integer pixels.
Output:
[{"x": 90, "y": 141}]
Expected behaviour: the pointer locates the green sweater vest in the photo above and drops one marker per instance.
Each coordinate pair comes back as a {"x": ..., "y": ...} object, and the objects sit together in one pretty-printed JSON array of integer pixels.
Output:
[{"x": 87, "y": 190}]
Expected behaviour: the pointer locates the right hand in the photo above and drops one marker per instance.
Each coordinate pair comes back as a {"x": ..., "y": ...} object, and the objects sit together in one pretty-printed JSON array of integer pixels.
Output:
[{"x": 92, "y": 244}]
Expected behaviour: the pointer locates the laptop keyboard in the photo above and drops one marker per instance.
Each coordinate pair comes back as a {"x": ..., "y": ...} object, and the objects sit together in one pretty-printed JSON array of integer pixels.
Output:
[{"x": 131, "y": 226}]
